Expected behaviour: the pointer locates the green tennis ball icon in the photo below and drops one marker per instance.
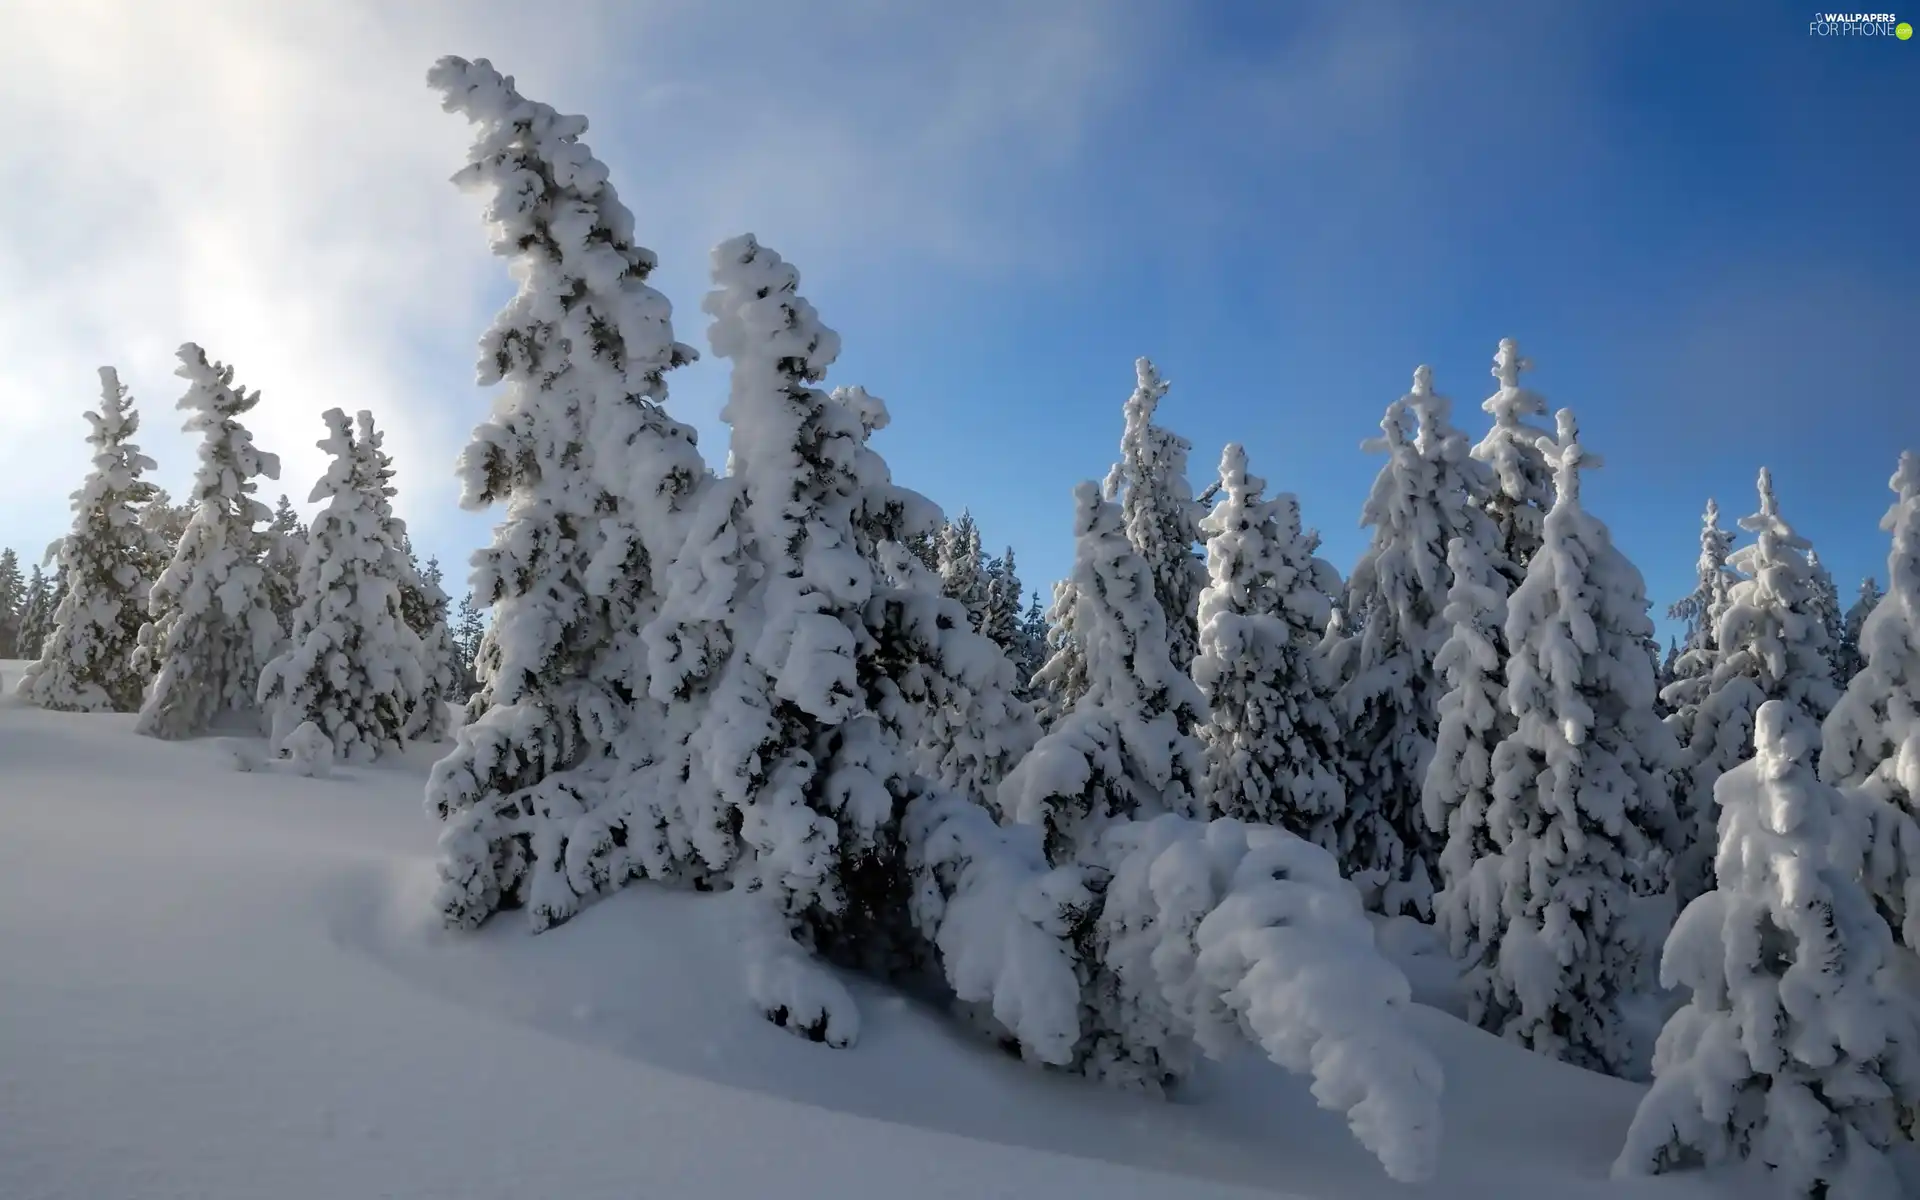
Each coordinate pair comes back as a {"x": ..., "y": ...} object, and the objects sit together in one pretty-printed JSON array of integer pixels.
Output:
[{"x": 1903, "y": 31}]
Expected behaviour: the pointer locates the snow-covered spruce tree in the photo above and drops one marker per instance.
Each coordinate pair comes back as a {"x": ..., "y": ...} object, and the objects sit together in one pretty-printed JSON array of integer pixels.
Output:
[
  {"x": 1796, "y": 1047},
  {"x": 1123, "y": 752},
  {"x": 423, "y": 606},
  {"x": 1523, "y": 483},
  {"x": 1870, "y": 743},
  {"x": 13, "y": 603},
  {"x": 1769, "y": 644},
  {"x": 805, "y": 664},
  {"x": 1833, "y": 616},
  {"x": 1004, "y": 596},
  {"x": 286, "y": 548},
  {"x": 1061, "y": 680},
  {"x": 1157, "y": 507},
  {"x": 594, "y": 478},
  {"x": 106, "y": 567},
  {"x": 351, "y": 665},
  {"x": 963, "y": 568},
  {"x": 1458, "y": 795},
  {"x": 1700, "y": 611},
  {"x": 1033, "y": 640},
  {"x": 212, "y": 626},
  {"x": 1847, "y": 659},
  {"x": 1422, "y": 499},
  {"x": 468, "y": 626},
  {"x": 1580, "y": 794},
  {"x": 1272, "y": 734},
  {"x": 35, "y": 614}
]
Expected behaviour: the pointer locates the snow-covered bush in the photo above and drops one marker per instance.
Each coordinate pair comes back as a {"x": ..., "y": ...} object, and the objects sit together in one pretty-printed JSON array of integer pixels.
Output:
[
  {"x": 1158, "y": 510},
  {"x": 1797, "y": 1047},
  {"x": 1580, "y": 791},
  {"x": 106, "y": 567},
  {"x": 309, "y": 750},
  {"x": 1870, "y": 743},
  {"x": 212, "y": 625},
  {"x": 1178, "y": 938},
  {"x": 1422, "y": 499},
  {"x": 351, "y": 667},
  {"x": 1124, "y": 750},
  {"x": 1272, "y": 733},
  {"x": 595, "y": 479}
]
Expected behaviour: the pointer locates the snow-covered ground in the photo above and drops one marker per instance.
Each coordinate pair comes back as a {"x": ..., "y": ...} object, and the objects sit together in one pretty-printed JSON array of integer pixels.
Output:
[{"x": 219, "y": 984}]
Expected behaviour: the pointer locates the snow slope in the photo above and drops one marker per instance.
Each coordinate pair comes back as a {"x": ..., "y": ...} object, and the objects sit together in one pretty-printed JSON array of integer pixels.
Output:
[{"x": 216, "y": 984}]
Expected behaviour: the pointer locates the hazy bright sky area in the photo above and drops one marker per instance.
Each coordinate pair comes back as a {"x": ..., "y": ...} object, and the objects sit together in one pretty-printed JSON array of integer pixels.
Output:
[{"x": 1697, "y": 219}]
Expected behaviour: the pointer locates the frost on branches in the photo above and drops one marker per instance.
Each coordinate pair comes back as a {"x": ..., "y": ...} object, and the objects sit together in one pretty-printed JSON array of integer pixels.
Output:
[
  {"x": 1422, "y": 499},
  {"x": 351, "y": 667},
  {"x": 594, "y": 478},
  {"x": 1797, "y": 1047},
  {"x": 212, "y": 626},
  {"x": 1769, "y": 644},
  {"x": 1124, "y": 750},
  {"x": 1157, "y": 507},
  {"x": 106, "y": 568},
  {"x": 1458, "y": 797},
  {"x": 1272, "y": 735},
  {"x": 1523, "y": 482},
  {"x": 1580, "y": 794},
  {"x": 1870, "y": 744}
]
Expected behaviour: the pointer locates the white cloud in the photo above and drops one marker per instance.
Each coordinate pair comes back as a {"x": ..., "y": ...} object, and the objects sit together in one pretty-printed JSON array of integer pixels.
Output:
[{"x": 270, "y": 180}]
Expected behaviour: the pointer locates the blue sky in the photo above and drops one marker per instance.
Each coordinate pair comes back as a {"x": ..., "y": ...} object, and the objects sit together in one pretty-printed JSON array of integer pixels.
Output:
[{"x": 1697, "y": 220}]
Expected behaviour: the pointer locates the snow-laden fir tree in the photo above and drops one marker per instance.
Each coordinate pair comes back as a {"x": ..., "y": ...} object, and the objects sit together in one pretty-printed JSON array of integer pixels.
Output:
[
  {"x": 1833, "y": 615},
  {"x": 1123, "y": 751},
  {"x": 1523, "y": 483},
  {"x": 1157, "y": 507},
  {"x": 1004, "y": 597},
  {"x": 1423, "y": 498},
  {"x": 1033, "y": 640},
  {"x": 468, "y": 626},
  {"x": 963, "y": 568},
  {"x": 1580, "y": 790},
  {"x": 1847, "y": 660},
  {"x": 106, "y": 566},
  {"x": 36, "y": 614},
  {"x": 1769, "y": 644},
  {"x": 1870, "y": 744},
  {"x": 1272, "y": 732},
  {"x": 1700, "y": 611},
  {"x": 13, "y": 603},
  {"x": 286, "y": 548},
  {"x": 801, "y": 665},
  {"x": 594, "y": 478},
  {"x": 1061, "y": 679},
  {"x": 351, "y": 666},
  {"x": 423, "y": 606},
  {"x": 212, "y": 625},
  {"x": 1797, "y": 1047},
  {"x": 1458, "y": 796}
]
